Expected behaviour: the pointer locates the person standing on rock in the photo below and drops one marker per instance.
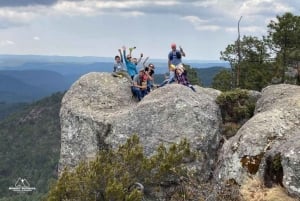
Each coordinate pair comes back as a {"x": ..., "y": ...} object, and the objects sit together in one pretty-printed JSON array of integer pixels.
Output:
[
  {"x": 133, "y": 59},
  {"x": 131, "y": 66},
  {"x": 174, "y": 59}
]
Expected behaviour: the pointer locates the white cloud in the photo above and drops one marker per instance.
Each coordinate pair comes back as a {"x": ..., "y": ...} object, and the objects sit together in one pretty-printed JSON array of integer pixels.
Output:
[
  {"x": 201, "y": 25},
  {"x": 166, "y": 3},
  {"x": 117, "y": 4},
  {"x": 73, "y": 8},
  {"x": 81, "y": 24},
  {"x": 263, "y": 7},
  {"x": 247, "y": 30},
  {"x": 194, "y": 20},
  {"x": 7, "y": 43},
  {"x": 36, "y": 38},
  {"x": 206, "y": 3},
  {"x": 217, "y": 13},
  {"x": 94, "y": 7},
  {"x": 17, "y": 14}
]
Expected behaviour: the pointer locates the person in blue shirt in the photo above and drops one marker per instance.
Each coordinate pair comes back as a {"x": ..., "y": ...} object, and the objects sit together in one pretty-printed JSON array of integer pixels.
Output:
[{"x": 130, "y": 63}]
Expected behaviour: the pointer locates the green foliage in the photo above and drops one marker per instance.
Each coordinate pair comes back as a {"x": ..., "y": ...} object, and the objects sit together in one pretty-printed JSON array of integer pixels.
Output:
[
  {"x": 256, "y": 76},
  {"x": 254, "y": 70},
  {"x": 235, "y": 106},
  {"x": 29, "y": 147},
  {"x": 192, "y": 75},
  {"x": 229, "y": 129},
  {"x": 256, "y": 62},
  {"x": 277, "y": 162},
  {"x": 284, "y": 37},
  {"x": 112, "y": 172},
  {"x": 222, "y": 81},
  {"x": 9, "y": 108},
  {"x": 24, "y": 197},
  {"x": 206, "y": 75}
]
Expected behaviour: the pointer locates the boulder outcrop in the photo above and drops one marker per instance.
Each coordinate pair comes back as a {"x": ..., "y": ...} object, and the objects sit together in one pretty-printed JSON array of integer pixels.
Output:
[
  {"x": 98, "y": 112},
  {"x": 268, "y": 144}
]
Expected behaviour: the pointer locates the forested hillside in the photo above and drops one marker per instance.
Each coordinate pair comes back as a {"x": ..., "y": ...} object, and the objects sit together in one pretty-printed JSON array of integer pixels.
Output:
[
  {"x": 29, "y": 85},
  {"x": 206, "y": 75},
  {"x": 8, "y": 108},
  {"x": 29, "y": 147}
]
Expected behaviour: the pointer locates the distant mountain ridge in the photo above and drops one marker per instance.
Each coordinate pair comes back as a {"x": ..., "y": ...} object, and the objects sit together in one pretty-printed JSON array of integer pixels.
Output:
[
  {"x": 7, "y": 61},
  {"x": 30, "y": 85},
  {"x": 26, "y": 78},
  {"x": 17, "y": 60}
]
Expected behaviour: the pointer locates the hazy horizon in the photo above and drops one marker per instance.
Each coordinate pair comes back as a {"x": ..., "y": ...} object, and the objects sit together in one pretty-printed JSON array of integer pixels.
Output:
[{"x": 99, "y": 58}]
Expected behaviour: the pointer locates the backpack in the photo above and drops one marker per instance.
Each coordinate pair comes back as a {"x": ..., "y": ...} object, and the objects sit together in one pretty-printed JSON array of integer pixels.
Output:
[{"x": 178, "y": 55}]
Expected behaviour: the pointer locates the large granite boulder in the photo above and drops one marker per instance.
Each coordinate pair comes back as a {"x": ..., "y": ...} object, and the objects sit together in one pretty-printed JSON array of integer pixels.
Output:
[
  {"x": 98, "y": 112},
  {"x": 267, "y": 145}
]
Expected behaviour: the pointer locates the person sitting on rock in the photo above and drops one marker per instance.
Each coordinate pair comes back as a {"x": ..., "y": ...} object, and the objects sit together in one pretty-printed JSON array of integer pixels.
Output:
[
  {"x": 181, "y": 77},
  {"x": 171, "y": 76},
  {"x": 166, "y": 76},
  {"x": 119, "y": 68},
  {"x": 172, "y": 69},
  {"x": 149, "y": 71},
  {"x": 139, "y": 86}
]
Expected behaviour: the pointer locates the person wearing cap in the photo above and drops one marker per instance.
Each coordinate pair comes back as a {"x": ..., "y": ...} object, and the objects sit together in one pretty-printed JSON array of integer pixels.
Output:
[
  {"x": 174, "y": 58},
  {"x": 149, "y": 71},
  {"x": 139, "y": 87}
]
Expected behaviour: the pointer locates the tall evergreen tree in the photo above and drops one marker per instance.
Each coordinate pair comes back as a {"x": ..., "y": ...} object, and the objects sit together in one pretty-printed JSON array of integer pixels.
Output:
[
  {"x": 254, "y": 66},
  {"x": 222, "y": 81},
  {"x": 284, "y": 37}
]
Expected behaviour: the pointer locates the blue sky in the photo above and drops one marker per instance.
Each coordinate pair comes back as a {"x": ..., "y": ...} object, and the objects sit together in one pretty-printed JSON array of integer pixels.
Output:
[{"x": 99, "y": 27}]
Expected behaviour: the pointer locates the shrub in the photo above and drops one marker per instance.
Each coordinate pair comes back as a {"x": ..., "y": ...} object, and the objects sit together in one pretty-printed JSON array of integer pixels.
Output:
[
  {"x": 235, "y": 106},
  {"x": 230, "y": 129},
  {"x": 112, "y": 172}
]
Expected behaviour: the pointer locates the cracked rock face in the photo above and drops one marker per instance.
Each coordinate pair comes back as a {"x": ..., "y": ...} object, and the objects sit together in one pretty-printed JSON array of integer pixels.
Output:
[
  {"x": 98, "y": 112},
  {"x": 268, "y": 144}
]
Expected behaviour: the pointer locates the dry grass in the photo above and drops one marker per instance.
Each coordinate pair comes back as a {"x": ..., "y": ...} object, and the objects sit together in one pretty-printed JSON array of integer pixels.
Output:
[{"x": 254, "y": 190}]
